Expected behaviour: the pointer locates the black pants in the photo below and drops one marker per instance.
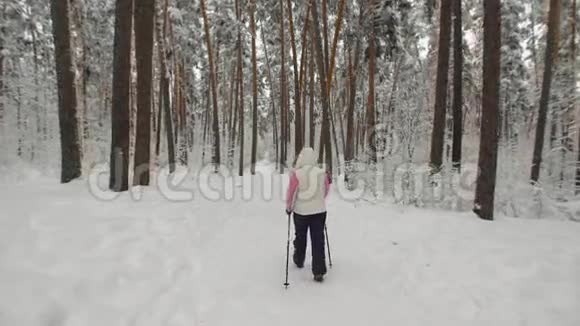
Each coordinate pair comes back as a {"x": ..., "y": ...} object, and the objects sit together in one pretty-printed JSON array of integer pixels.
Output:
[{"x": 316, "y": 224}]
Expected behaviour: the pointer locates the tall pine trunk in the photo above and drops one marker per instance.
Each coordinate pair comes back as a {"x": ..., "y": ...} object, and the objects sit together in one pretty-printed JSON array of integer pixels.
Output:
[
  {"x": 241, "y": 83},
  {"x": 2, "y": 73},
  {"x": 283, "y": 102},
  {"x": 438, "y": 134},
  {"x": 254, "y": 89},
  {"x": 215, "y": 124},
  {"x": 67, "y": 97},
  {"x": 574, "y": 79},
  {"x": 371, "y": 141},
  {"x": 144, "y": 22},
  {"x": 325, "y": 145},
  {"x": 350, "y": 127},
  {"x": 351, "y": 132},
  {"x": 304, "y": 64},
  {"x": 164, "y": 90},
  {"x": 551, "y": 53},
  {"x": 298, "y": 142},
  {"x": 486, "y": 177},
  {"x": 311, "y": 125},
  {"x": 457, "y": 85},
  {"x": 324, "y": 8},
  {"x": 119, "y": 165}
]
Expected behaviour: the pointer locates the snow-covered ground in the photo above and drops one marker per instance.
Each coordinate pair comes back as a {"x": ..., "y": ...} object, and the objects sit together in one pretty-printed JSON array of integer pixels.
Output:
[{"x": 67, "y": 258}]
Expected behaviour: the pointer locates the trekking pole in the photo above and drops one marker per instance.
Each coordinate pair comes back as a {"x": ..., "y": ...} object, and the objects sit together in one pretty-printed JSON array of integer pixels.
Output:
[
  {"x": 328, "y": 246},
  {"x": 287, "y": 253}
]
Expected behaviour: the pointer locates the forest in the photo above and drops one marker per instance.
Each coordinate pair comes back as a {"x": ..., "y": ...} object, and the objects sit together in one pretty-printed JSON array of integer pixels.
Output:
[
  {"x": 284, "y": 162},
  {"x": 484, "y": 92}
]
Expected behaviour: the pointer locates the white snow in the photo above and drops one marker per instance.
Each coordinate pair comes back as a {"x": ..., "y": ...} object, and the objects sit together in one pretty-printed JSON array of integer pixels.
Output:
[{"x": 69, "y": 259}]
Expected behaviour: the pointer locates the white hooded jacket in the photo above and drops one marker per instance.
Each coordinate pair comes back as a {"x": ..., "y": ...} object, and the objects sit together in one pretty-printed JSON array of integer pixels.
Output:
[{"x": 308, "y": 186}]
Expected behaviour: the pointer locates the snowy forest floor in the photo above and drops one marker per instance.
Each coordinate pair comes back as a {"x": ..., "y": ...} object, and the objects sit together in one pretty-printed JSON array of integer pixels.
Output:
[{"x": 67, "y": 258}]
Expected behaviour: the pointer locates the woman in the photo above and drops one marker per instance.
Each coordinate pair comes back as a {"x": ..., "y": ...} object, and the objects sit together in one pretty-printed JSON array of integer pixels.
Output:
[{"x": 307, "y": 191}]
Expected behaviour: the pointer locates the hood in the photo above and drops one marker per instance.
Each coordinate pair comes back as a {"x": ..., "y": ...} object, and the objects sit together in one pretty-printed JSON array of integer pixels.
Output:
[{"x": 307, "y": 157}]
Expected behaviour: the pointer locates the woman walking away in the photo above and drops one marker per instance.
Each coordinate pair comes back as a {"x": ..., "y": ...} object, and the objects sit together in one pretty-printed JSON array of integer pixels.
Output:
[{"x": 309, "y": 186}]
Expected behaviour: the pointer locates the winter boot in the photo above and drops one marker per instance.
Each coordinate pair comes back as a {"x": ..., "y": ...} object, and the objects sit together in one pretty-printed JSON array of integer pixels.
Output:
[
  {"x": 299, "y": 263},
  {"x": 319, "y": 277}
]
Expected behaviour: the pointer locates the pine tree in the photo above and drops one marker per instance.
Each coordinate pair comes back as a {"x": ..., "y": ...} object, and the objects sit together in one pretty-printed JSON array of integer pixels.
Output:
[
  {"x": 457, "y": 85},
  {"x": 119, "y": 166},
  {"x": 437, "y": 138},
  {"x": 371, "y": 115},
  {"x": 283, "y": 102},
  {"x": 144, "y": 26},
  {"x": 254, "y": 88},
  {"x": 487, "y": 165},
  {"x": 215, "y": 124},
  {"x": 298, "y": 142},
  {"x": 241, "y": 83},
  {"x": 551, "y": 53},
  {"x": 164, "y": 85},
  {"x": 67, "y": 96},
  {"x": 325, "y": 146}
]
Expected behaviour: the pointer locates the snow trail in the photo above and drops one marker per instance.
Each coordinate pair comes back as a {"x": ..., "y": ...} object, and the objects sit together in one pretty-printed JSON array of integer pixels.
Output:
[{"x": 68, "y": 259}]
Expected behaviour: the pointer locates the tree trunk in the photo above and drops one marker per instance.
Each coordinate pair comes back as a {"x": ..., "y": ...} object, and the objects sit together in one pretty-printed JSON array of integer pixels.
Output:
[
  {"x": 233, "y": 85},
  {"x": 232, "y": 147},
  {"x": 325, "y": 32},
  {"x": 325, "y": 133},
  {"x": 486, "y": 178},
  {"x": 438, "y": 135},
  {"x": 337, "y": 28},
  {"x": 311, "y": 127},
  {"x": 551, "y": 53},
  {"x": 304, "y": 63},
  {"x": 159, "y": 117},
  {"x": 144, "y": 22},
  {"x": 67, "y": 97},
  {"x": 205, "y": 125},
  {"x": 20, "y": 122},
  {"x": 254, "y": 89},
  {"x": 303, "y": 86},
  {"x": 282, "y": 91},
  {"x": 574, "y": 79},
  {"x": 216, "y": 157},
  {"x": 165, "y": 90},
  {"x": 37, "y": 106},
  {"x": 350, "y": 128},
  {"x": 2, "y": 73},
  {"x": 241, "y": 82},
  {"x": 119, "y": 165},
  {"x": 330, "y": 77},
  {"x": 457, "y": 85},
  {"x": 298, "y": 142},
  {"x": 371, "y": 141},
  {"x": 351, "y": 134}
]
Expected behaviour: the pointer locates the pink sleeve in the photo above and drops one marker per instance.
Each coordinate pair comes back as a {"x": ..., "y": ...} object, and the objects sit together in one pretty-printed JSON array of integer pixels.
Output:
[
  {"x": 327, "y": 182},
  {"x": 292, "y": 187}
]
